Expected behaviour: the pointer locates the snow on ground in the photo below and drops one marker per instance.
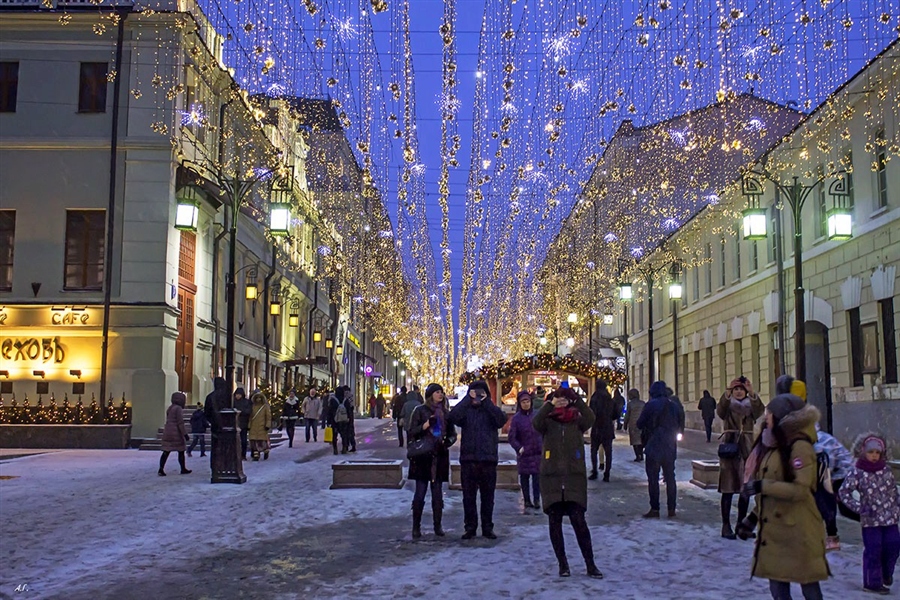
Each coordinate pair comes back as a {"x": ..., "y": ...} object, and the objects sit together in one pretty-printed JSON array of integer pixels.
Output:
[{"x": 102, "y": 524}]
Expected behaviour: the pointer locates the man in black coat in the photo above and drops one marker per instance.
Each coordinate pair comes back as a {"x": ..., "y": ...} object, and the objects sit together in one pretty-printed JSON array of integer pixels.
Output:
[
  {"x": 619, "y": 401},
  {"x": 244, "y": 406},
  {"x": 397, "y": 403},
  {"x": 216, "y": 400},
  {"x": 662, "y": 420},
  {"x": 340, "y": 428},
  {"x": 603, "y": 432},
  {"x": 707, "y": 408},
  {"x": 479, "y": 420}
]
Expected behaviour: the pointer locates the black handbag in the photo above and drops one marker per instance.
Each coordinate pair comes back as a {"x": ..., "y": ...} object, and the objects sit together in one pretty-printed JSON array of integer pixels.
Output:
[
  {"x": 421, "y": 446},
  {"x": 729, "y": 449}
]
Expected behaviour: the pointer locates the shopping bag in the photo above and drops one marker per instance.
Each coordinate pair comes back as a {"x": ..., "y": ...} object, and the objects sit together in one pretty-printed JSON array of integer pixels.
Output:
[{"x": 329, "y": 435}]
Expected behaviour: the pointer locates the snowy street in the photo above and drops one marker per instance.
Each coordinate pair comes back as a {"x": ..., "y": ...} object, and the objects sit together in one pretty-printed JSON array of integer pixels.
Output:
[{"x": 97, "y": 524}]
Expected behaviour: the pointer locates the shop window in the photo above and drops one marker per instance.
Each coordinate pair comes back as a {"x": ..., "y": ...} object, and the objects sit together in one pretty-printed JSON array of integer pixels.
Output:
[
  {"x": 890, "y": 340},
  {"x": 7, "y": 247},
  {"x": 92, "y": 86},
  {"x": 856, "y": 354},
  {"x": 9, "y": 86},
  {"x": 85, "y": 247}
]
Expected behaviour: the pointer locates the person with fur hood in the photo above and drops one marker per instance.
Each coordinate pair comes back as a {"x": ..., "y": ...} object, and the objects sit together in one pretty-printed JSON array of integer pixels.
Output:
[
  {"x": 739, "y": 408},
  {"x": 260, "y": 423},
  {"x": 870, "y": 490},
  {"x": 526, "y": 441},
  {"x": 174, "y": 435},
  {"x": 782, "y": 473}
]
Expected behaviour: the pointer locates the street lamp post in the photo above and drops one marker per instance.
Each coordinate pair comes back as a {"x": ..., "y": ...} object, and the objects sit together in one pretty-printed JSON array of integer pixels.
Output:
[{"x": 675, "y": 292}]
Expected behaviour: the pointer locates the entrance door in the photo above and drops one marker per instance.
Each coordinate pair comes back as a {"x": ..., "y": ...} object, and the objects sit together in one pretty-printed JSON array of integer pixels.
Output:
[
  {"x": 818, "y": 371},
  {"x": 187, "y": 290}
]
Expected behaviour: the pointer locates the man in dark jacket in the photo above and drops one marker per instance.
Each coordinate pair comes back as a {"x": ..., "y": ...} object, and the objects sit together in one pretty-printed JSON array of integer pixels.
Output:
[
  {"x": 663, "y": 420},
  {"x": 216, "y": 400},
  {"x": 198, "y": 430},
  {"x": 339, "y": 421},
  {"x": 413, "y": 401},
  {"x": 603, "y": 432},
  {"x": 707, "y": 408},
  {"x": 479, "y": 420},
  {"x": 244, "y": 406},
  {"x": 397, "y": 403},
  {"x": 619, "y": 401}
]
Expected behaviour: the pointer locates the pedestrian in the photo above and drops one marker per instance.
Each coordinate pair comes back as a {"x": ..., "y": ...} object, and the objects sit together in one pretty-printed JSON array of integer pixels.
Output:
[
  {"x": 260, "y": 423},
  {"x": 632, "y": 414},
  {"x": 707, "y": 408},
  {"x": 174, "y": 435},
  {"x": 397, "y": 403},
  {"x": 198, "y": 430},
  {"x": 431, "y": 469},
  {"x": 562, "y": 421},
  {"x": 290, "y": 412},
  {"x": 412, "y": 401},
  {"x": 879, "y": 509},
  {"x": 379, "y": 406},
  {"x": 538, "y": 400},
  {"x": 479, "y": 420},
  {"x": 351, "y": 424},
  {"x": 244, "y": 406},
  {"x": 216, "y": 400},
  {"x": 417, "y": 394},
  {"x": 372, "y": 402},
  {"x": 312, "y": 409},
  {"x": 840, "y": 462},
  {"x": 619, "y": 402},
  {"x": 739, "y": 408},
  {"x": 338, "y": 418},
  {"x": 661, "y": 419},
  {"x": 526, "y": 441},
  {"x": 781, "y": 472},
  {"x": 603, "y": 431}
]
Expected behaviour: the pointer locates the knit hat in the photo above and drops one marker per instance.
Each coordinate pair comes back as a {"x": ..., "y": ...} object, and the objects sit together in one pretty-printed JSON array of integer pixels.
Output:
[
  {"x": 567, "y": 393},
  {"x": 873, "y": 443},
  {"x": 741, "y": 382},
  {"x": 784, "y": 404},
  {"x": 633, "y": 394},
  {"x": 480, "y": 384},
  {"x": 798, "y": 388},
  {"x": 658, "y": 389},
  {"x": 432, "y": 388}
]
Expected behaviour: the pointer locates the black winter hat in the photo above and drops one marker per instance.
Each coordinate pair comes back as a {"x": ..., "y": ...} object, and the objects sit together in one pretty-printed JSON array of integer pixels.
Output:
[
  {"x": 480, "y": 384},
  {"x": 432, "y": 388},
  {"x": 784, "y": 404}
]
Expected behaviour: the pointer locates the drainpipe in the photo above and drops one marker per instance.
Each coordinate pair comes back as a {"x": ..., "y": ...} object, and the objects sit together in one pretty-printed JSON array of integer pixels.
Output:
[{"x": 111, "y": 208}]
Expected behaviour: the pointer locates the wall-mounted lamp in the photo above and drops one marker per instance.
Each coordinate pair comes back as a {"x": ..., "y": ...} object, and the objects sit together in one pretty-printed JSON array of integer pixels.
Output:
[
  {"x": 187, "y": 210},
  {"x": 339, "y": 349},
  {"x": 294, "y": 315},
  {"x": 317, "y": 336},
  {"x": 38, "y": 374},
  {"x": 329, "y": 343},
  {"x": 252, "y": 290},
  {"x": 75, "y": 373}
]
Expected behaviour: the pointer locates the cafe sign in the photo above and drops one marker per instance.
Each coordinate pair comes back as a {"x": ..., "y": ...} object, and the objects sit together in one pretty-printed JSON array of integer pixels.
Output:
[{"x": 48, "y": 316}]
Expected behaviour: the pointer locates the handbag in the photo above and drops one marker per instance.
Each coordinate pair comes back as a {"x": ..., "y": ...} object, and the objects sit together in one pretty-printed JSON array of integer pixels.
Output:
[
  {"x": 729, "y": 450},
  {"x": 329, "y": 435},
  {"x": 421, "y": 446}
]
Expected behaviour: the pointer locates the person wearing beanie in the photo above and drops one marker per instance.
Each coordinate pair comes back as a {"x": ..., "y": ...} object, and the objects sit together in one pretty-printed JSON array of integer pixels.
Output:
[
  {"x": 526, "y": 442},
  {"x": 739, "y": 408},
  {"x": 632, "y": 414},
  {"x": 603, "y": 431},
  {"x": 562, "y": 422},
  {"x": 174, "y": 435},
  {"x": 430, "y": 470},
  {"x": 661, "y": 419},
  {"x": 878, "y": 505},
  {"x": 479, "y": 420},
  {"x": 782, "y": 473}
]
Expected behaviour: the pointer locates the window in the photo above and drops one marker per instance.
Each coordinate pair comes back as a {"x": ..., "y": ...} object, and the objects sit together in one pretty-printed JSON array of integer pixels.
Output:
[
  {"x": 738, "y": 356},
  {"x": 737, "y": 254},
  {"x": 848, "y": 174},
  {"x": 9, "y": 86},
  {"x": 7, "y": 244},
  {"x": 92, "y": 87},
  {"x": 881, "y": 197},
  {"x": 754, "y": 256},
  {"x": 770, "y": 238},
  {"x": 85, "y": 246},
  {"x": 722, "y": 263},
  {"x": 821, "y": 206},
  {"x": 696, "y": 283},
  {"x": 708, "y": 268},
  {"x": 889, "y": 342},
  {"x": 856, "y": 354}
]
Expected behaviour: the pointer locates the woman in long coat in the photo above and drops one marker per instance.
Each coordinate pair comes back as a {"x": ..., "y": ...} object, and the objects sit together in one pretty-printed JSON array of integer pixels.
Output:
[
  {"x": 783, "y": 475},
  {"x": 526, "y": 441},
  {"x": 174, "y": 434},
  {"x": 430, "y": 470},
  {"x": 739, "y": 408},
  {"x": 562, "y": 423},
  {"x": 632, "y": 414},
  {"x": 260, "y": 423}
]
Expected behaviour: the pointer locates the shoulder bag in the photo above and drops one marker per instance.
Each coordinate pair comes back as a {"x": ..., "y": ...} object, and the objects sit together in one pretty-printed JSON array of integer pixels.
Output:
[{"x": 729, "y": 450}]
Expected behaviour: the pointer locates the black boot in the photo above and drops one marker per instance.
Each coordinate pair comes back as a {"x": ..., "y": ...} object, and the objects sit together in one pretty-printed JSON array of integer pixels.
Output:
[
  {"x": 727, "y": 531},
  {"x": 417, "y": 521},
  {"x": 583, "y": 535},
  {"x": 593, "y": 475},
  {"x": 438, "y": 510}
]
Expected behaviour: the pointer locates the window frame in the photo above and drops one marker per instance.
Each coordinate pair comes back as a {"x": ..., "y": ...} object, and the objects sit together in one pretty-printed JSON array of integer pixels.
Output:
[
  {"x": 86, "y": 249},
  {"x": 881, "y": 189},
  {"x": 92, "y": 101},
  {"x": 7, "y": 232},
  {"x": 9, "y": 86}
]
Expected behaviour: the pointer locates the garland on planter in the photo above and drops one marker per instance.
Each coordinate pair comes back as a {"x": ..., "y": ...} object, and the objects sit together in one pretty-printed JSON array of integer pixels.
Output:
[{"x": 25, "y": 413}]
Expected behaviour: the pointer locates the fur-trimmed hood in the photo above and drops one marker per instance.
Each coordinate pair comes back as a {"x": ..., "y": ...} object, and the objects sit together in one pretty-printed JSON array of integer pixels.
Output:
[
  {"x": 801, "y": 424},
  {"x": 258, "y": 397},
  {"x": 857, "y": 448}
]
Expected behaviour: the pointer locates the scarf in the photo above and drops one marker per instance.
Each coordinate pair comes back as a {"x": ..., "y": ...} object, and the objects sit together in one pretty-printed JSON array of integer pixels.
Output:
[
  {"x": 440, "y": 415},
  {"x": 752, "y": 463},
  {"x": 565, "y": 414},
  {"x": 868, "y": 466},
  {"x": 741, "y": 407}
]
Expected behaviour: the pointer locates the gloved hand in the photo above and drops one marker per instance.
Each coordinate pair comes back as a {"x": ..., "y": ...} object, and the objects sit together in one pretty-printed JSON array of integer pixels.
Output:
[
  {"x": 744, "y": 529},
  {"x": 187, "y": 437},
  {"x": 752, "y": 488}
]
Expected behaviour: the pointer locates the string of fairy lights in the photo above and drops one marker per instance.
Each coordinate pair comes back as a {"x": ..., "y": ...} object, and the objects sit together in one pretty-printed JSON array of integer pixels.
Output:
[{"x": 553, "y": 195}]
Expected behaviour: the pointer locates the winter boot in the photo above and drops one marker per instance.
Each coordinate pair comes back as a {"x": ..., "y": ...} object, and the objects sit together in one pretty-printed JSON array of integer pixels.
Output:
[
  {"x": 417, "y": 521},
  {"x": 438, "y": 530},
  {"x": 728, "y": 532},
  {"x": 161, "y": 473},
  {"x": 583, "y": 535},
  {"x": 653, "y": 513},
  {"x": 593, "y": 475},
  {"x": 266, "y": 455},
  {"x": 559, "y": 544}
]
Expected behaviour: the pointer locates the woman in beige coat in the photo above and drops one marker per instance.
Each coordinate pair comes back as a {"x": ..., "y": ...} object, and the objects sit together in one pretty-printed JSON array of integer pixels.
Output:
[
  {"x": 632, "y": 414},
  {"x": 260, "y": 423},
  {"x": 174, "y": 434}
]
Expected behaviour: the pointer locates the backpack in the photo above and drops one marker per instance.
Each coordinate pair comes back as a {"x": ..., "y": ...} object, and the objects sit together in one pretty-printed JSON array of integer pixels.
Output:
[
  {"x": 341, "y": 415},
  {"x": 824, "y": 495}
]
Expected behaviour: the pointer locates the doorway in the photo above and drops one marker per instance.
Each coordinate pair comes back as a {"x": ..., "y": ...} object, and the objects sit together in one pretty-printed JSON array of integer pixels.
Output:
[{"x": 818, "y": 371}]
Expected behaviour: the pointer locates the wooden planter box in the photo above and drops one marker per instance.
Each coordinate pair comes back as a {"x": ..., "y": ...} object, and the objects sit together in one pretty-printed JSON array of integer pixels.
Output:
[
  {"x": 372, "y": 473},
  {"x": 705, "y": 474},
  {"x": 65, "y": 436},
  {"x": 507, "y": 475}
]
